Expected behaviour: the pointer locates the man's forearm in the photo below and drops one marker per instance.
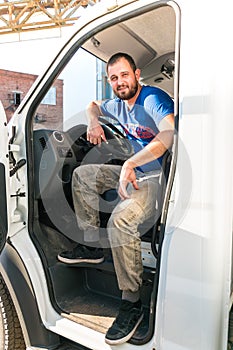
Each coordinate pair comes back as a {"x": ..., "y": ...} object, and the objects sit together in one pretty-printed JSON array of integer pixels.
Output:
[
  {"x": 155, "y": 149},
  {"x": 93, "y": 112},
  {"x": 95, "y": 132}
]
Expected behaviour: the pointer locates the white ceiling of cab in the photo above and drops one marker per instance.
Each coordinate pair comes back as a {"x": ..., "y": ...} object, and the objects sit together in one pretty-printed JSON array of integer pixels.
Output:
[
  {"x": 157, "y": 29},
  {"x": 147, "y": 38}
]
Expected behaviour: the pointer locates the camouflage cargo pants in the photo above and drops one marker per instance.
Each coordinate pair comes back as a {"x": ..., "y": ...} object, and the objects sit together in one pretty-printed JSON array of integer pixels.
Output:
[{"x": 88, "y": 182}]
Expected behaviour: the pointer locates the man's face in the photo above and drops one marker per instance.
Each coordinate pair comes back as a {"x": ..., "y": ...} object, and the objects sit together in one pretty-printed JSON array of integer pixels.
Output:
[{"x": 123, "y": 80}]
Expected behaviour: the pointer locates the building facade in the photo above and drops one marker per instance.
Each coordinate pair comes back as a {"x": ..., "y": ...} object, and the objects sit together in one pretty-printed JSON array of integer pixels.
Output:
[{"x": 15, "y": 85}]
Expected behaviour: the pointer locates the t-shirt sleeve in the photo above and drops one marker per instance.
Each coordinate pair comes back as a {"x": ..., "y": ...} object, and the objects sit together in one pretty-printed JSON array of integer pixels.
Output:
[
  {"x": 159, "y": 105},
  {"x": 109, "y": 108}
]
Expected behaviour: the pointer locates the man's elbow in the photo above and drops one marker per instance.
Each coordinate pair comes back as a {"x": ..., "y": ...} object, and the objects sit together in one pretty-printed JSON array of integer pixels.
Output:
[{"x": 166, "y": 138}]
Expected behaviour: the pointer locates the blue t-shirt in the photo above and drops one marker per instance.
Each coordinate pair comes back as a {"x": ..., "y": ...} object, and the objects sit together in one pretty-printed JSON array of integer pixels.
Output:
[{"x": 140, "y": 123}]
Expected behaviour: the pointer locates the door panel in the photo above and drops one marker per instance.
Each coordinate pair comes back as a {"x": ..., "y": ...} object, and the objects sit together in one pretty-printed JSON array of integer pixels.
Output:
[{"x": 4, "y": 177}]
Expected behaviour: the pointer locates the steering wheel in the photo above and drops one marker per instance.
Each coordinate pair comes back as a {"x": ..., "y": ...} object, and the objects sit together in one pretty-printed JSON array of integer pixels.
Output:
[
  {"x": 117, "y": 145},
  {"x": 117, "y": 149}
]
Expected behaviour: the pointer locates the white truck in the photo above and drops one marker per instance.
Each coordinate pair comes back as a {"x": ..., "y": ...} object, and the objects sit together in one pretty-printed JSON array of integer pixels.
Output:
[{"x": 183, "y": 47}]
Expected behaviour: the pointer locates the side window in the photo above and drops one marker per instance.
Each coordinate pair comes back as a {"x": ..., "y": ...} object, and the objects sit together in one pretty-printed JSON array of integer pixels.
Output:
[{"x": 65, "y": 102}]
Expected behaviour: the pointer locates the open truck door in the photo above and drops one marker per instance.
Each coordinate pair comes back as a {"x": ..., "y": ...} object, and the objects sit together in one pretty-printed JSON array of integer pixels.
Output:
[{"x": 4, "y": 177}]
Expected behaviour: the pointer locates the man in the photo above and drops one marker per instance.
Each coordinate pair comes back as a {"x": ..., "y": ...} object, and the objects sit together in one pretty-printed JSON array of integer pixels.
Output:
[{"x": 146, "y": 115}]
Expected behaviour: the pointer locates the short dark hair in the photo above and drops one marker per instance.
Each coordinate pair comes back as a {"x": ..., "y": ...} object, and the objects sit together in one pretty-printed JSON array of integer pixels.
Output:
[{"x": 117, "y": 56}]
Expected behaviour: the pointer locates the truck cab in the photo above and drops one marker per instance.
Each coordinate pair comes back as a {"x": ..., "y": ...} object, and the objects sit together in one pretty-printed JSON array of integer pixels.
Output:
[{"x": 186, "y": 248}]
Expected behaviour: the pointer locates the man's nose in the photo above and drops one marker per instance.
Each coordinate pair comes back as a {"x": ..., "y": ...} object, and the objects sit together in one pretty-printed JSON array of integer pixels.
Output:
[{"x": 120, "y": 81}]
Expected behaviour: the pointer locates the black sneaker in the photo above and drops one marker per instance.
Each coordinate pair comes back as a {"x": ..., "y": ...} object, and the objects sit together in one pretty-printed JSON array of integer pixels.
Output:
[
  {"x": 82, "y": 254},
  {"x": 129, "y": 317}
]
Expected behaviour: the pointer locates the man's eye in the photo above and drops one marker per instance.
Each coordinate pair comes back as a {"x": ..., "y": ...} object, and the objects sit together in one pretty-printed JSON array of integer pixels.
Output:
[{"x": 113, "y": 78}]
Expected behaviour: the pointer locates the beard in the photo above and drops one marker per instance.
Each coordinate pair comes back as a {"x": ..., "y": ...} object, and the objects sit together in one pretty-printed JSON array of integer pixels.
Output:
[{"x": 126, "y": 94}]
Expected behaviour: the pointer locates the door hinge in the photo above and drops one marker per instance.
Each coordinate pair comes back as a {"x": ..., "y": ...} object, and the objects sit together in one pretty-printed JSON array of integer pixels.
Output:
[
  {"x": 17, "y": 166},
  {"x": 21, "y": 194}
]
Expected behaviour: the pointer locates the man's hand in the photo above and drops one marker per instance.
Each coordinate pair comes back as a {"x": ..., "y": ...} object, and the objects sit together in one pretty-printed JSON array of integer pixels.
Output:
[
  {"x": 127, "y": 176},
  {"x": 95, "y": 134}
]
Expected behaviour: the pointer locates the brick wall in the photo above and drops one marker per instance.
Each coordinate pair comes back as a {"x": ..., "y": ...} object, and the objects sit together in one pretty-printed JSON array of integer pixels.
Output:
[{"x": 15, "y": 83}]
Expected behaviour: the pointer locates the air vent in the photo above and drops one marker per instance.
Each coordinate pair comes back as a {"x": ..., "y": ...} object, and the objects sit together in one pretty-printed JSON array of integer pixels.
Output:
[
  {"x": 43, "y": 143},
  {"x": 58, "y": 136}
]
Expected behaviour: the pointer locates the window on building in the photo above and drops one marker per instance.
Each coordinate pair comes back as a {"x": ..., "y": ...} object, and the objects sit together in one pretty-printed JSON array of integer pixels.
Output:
[
  {"x": 17, "y": 97},
  {"x": 50, "y": 97}
]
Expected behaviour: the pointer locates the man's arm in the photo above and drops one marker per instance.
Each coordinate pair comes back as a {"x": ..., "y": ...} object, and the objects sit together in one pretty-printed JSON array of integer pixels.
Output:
[
  {"x": 95, "y": 132},
  {"x": 155, "y": 149}
]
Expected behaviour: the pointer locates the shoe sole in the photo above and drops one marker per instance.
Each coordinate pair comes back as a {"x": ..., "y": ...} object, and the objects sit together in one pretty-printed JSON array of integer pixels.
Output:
[
  {"x": 127, "y": 337},
  {"x": 79, "y": 261}
]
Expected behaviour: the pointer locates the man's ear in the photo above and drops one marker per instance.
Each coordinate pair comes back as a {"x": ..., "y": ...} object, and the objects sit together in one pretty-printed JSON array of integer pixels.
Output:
[{"x": 137, "y": 73}]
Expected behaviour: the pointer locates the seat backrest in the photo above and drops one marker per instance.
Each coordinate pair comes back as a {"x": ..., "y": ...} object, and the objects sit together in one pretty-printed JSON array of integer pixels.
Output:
[{"x": 154, "y": 222}]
